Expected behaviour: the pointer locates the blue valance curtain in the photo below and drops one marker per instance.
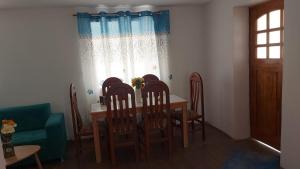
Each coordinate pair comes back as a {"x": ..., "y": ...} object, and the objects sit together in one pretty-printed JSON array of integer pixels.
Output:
[{"x": 128, "y": 23}]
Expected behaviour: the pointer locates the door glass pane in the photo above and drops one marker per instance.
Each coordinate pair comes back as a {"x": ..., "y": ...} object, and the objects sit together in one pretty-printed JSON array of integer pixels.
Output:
[
  {"x": 274, "y": 19},
  {"x": 261, "y": 38},
  {"x": 262, "y": 23},
  {"x": 274, "y": 37},
  {"x": 261, "y": 53},
  {"x": 274, "y": 52}
]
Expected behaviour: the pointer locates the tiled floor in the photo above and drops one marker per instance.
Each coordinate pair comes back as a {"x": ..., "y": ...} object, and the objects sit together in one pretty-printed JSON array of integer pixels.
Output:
[{"x": 210, "y": 154}]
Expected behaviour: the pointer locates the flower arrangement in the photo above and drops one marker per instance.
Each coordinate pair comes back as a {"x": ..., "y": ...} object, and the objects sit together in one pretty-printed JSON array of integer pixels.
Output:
[
  {"x": 137, "y": 82},
  {"x": 7, "y": 130},
  {"x": 8, "y": 127}
]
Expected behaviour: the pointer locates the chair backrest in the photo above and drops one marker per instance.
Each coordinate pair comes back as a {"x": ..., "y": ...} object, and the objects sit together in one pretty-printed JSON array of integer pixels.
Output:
[
  {"x": 156, "y": 105},
  {"x": 150, "y": 77},
  {"x": 196, "y": 87},
  {"x": 107, "y": 84},
  {"x": 76, "y": 118},
  {"x": 121, "y": 108}
]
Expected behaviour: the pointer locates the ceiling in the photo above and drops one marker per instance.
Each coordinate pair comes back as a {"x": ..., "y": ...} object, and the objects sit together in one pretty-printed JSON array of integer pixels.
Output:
[{"x": 62, "y": 3}]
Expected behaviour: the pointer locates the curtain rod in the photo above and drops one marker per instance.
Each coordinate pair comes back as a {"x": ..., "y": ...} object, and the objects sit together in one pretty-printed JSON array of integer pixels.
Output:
[{"x": 116, "y": 14}]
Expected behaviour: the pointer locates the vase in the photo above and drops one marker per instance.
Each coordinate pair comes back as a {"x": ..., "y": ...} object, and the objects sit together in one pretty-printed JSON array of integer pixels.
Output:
[
  {"x": 8, "y": 147},
  {"x": 138, "y": 95}
]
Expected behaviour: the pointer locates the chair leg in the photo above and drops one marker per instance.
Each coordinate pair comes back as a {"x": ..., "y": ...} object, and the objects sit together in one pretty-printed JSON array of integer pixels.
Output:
[
  {"x": 80, "y": 145},
  {"x": 137, "y": 154},
  {"x": 113, "y": 156},
  {"x": 174, "y": 127},
  {"x": 173, "y": 131},
  {"x": 181, "y": 126},
  {"x": 142, "y": 149},
  {"x": 193, "y": 125},
  {"x": 112, "y": 149},
  {"x": 108, "y": 142},
  {"x": 77, "y": 145},
  {"x": 162, "y": 134},
  {"x": 170, "y": 140},
  {"x": 203, "y": 129},
  {"x": 170, "y": 148},
  {"x": 147, "y": 146}
]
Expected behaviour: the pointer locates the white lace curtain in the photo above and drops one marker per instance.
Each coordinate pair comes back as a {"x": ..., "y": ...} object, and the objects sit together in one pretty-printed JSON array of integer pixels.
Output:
[{"x": 124, "y": 46}]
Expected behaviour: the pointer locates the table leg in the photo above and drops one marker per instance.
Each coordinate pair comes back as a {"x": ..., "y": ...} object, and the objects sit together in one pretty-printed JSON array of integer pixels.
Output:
[
  {"x": 185, "y": 126},
  {"x": 96, "y": 133},
  {"x": 38, "y": 162}
]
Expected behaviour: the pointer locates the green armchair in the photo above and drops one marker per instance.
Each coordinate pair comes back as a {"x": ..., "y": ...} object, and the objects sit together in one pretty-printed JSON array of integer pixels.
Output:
[{"x": 37, "y": 125}]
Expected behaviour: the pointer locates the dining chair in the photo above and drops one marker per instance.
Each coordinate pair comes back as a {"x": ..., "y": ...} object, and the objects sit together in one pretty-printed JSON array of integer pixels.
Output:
[
  {"x": 150, "y": 77},
  {"x": 196, "y": 90},
  {"x": 79, "y": 129},
  {"x": 121, "y": 118},
  {"x": 156, "y": 116},
  {"x": 107, "y": 84}
]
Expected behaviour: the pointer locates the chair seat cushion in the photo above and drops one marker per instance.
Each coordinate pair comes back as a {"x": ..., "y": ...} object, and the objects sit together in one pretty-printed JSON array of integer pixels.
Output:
[{"x": 30, "y": 137}]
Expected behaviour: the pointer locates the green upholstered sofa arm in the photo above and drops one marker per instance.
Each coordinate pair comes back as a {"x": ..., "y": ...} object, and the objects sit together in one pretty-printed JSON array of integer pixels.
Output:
[{"x": 56, "y": 135}]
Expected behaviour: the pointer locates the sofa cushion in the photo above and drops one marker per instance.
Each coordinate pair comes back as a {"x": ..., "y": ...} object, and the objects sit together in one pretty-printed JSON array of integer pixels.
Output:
[
  {"x": 37, "y": 137},
  {"x": 31, "y": 117}
]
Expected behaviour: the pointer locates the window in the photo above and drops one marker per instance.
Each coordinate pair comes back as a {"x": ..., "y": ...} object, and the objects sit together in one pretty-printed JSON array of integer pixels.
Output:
[
  {"x": 124, "y": 45},
  {"x": 125, "y": 56},
  {"x": 269, "y": 37}
]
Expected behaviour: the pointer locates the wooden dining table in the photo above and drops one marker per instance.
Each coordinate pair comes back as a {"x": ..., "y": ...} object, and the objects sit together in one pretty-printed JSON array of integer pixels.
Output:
[{"x": 99, "y": 111}]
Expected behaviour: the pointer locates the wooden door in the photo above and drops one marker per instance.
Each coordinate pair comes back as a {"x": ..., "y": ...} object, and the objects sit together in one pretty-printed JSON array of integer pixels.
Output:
[{"x": 266, "y": 55}]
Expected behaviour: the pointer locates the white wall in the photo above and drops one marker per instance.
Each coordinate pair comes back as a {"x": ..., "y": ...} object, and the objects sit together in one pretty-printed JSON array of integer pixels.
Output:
[
  {"x": 290, "y": 132},
  {"x": 219, "y": 54},
  {"x": 39, "y": 58},
  {"x": 39, "y": 55},
  {"x": 227, "y": 92},
  {"x": 241, "y": 72},
  {"x": 2, "y": 161},
  {"x": 186, "y": 47}
]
